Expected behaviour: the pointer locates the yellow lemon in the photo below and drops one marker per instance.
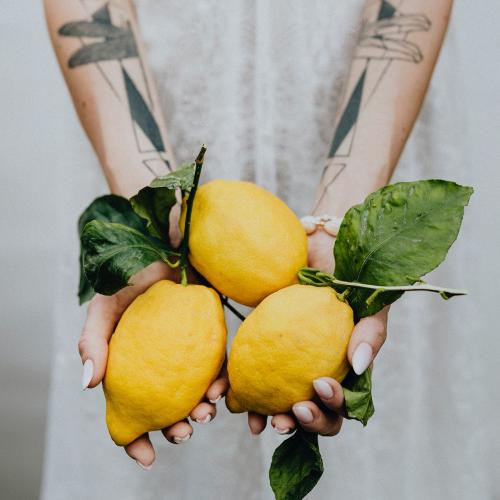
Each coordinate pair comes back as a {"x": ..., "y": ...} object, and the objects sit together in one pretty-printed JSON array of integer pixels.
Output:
[
  {"x": 167, "y": 349},
  {"x": 293, "y": 337},
  {"x": 244, "y": 240}
]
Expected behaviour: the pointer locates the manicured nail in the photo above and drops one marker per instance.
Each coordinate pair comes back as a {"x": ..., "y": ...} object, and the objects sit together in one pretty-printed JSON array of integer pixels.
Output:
[
  {"x": 279, "y": 430},
  {"x": 183, "y": 439},
  {"x": 254, "y": 436},
  {"x": 204, "y": 420},
  {"x": 362, "y": 357},
  {"x": 88, "y": 373},
  {"x": 142, "y": 466},
  {"x": 218, "y": 398},
  {"x": 304, "y": 414},
  {"x": 323, "y": 388}
]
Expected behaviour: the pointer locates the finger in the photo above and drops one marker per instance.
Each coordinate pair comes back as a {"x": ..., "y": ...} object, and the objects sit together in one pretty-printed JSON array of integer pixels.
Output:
[
  {"x": 203, "y": 413},
  {"x": 102, "y": 315},
  {"x": 283, "y": 423},
  {"x": 178, "y": 433},
  {"x": 330, "y": 393},
  {"x": 142, "y": 451},
  {"x": 312, "y": 419},
  {"x": 256, "y": 422},
  {"x": 367, "y": 338},
  {"x": 220, "y": 386},
  {"x": 217, "y": 390}
]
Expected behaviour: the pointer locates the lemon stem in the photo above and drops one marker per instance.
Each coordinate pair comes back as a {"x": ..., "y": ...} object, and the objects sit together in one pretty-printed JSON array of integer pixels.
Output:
[
  {"x": 311, "y": 276},
  {"x": 235, "y": 311},
  {"x": 343, "y": 296},
  {"x": 189, "y": 208}
]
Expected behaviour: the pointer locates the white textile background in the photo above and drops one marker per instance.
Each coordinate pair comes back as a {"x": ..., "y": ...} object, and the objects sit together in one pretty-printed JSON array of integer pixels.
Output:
[{"x": 259, "y": 83}]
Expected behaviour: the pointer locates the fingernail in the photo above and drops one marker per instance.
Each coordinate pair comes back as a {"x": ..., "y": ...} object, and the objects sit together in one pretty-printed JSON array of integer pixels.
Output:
[
  {"x": 323, "y": 388},
  {"x": 183, "y": 439},
  {"x": 204, "y": 420},
  {"x": 362, "y": 357},
  {"x": 304, "y": 414},
  {"x": 88, "y": 372},
  {"x": 142, "y": 466},
  {"x": 254, "y": 436},
  {"x": 216, "y": 399},
  {"x": 279, "y": 430}
]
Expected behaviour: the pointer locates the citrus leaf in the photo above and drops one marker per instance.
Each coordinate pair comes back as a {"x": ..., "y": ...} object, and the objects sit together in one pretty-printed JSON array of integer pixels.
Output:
[
  {"x": 154, "y": 202},
  {"x": 397, "y": 235},
  {"x": 296, "y": 466},
  {"x": 110, "y": 208},
  {"x": 112, "y": 253},
  {"x": 358, "y": 396}
]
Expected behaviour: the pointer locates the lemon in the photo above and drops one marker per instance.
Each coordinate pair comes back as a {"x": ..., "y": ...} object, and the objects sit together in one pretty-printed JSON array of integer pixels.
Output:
[
  {"x": 293, "y": 337},
  {"x": 167, "y": 349},
  {"x": 244, "y": 240}
]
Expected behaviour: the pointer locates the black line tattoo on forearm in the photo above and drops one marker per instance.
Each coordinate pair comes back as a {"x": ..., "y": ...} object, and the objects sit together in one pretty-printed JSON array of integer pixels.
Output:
[
  {"x": 115, "y": 43},
  {"x": 382, "y": 41}
]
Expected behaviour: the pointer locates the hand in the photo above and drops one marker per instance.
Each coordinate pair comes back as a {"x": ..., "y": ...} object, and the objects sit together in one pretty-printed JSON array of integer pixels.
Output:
[
  {"x": 367, "y": 338},
  {"x": 102, "y": 316}
]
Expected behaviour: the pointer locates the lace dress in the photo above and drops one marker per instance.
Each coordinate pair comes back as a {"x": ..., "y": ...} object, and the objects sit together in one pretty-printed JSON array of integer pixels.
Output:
[{"x": 259, "y": 83}]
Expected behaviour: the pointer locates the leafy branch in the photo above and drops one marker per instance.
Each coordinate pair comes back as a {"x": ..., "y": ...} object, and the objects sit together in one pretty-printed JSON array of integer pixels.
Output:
[{"x": 311, "y": 276}]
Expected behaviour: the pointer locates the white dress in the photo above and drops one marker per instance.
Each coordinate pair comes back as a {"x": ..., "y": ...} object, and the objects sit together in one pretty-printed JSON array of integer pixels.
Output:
[{"x": 259, "y": 83}]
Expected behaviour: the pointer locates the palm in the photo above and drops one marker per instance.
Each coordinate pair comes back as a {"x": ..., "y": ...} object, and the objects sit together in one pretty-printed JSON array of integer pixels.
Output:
[{"x": 320, "y": 251}]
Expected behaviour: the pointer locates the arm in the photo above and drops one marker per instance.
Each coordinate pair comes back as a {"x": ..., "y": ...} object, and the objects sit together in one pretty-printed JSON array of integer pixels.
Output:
[
  {"x": 102, "y": 59},
  {"x": 101, "y": 55},
  {"x": 388, "y": 78}
]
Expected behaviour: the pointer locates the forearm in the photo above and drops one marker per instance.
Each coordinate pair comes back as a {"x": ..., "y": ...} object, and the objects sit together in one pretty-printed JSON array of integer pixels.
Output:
[
  {"x": 102, "y": 59},
  {"x": 389, "y": 75}
]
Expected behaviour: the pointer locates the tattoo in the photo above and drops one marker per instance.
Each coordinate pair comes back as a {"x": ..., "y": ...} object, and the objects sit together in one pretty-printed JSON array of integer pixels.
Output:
[
  {"x": 113, "y": 42},
  {"x": 382, "y": 41}
]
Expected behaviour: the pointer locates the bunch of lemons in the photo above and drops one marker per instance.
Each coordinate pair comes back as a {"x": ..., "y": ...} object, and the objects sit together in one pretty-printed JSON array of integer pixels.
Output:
[{"x": 170, "y": 344}]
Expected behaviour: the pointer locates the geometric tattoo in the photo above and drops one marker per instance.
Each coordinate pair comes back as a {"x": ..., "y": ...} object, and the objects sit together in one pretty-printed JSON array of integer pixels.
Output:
[
  {"x": 108, "y": 36},
  {"x": 383, "y": 40}
]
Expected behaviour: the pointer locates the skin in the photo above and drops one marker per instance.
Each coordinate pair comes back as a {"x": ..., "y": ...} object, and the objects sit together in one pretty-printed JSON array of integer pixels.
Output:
[{"x": 381, "y": 130}]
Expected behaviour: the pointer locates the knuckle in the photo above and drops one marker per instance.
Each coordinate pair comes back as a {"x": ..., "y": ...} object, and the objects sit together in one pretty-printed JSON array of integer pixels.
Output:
[
  {"x": 83, "y": 344},
  {"x": 334, "y": 428}
]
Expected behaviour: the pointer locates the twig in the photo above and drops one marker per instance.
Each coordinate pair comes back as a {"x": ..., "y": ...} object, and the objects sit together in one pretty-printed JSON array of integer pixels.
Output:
[{"x": 189, "y": 209}]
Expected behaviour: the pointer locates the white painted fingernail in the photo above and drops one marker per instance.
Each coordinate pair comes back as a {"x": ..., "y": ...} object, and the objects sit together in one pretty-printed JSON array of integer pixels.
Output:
[
  {"x": 218, "y": 398},
  {"x": 304, "y": 414},
  {"x": 204, "y": 420},
  {"x": 323, "y": 388},
  {"x": 362, "y": 357},
  {"x": 286, "y": 430},
  {"x": 88, "y": 373},
  {"x": 183, "y": 439},
  {"x": 142, "y": 466}
]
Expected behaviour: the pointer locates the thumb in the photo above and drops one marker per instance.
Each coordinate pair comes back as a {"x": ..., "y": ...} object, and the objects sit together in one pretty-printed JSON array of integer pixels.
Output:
[
  {"x": 102, "y": 314},
  {"x": 367, "y": 338}
]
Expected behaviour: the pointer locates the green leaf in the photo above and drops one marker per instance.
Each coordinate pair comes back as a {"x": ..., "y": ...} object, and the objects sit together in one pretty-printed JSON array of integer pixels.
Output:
[
  {"x": 397, "y": 235},
  {"x": 154, "y": 202},
  {"x": 358, "y": 396},
  {"x": 296, "y": 466},
  {"x": 113, "y": 252},
  {"x": 110, "y": 208}
]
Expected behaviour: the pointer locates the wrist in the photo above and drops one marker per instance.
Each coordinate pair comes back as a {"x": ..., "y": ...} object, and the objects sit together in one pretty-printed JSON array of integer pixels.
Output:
[{"x": 342, "y": 186}]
